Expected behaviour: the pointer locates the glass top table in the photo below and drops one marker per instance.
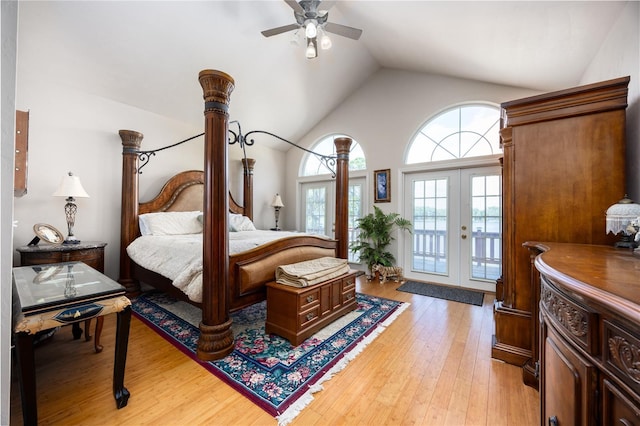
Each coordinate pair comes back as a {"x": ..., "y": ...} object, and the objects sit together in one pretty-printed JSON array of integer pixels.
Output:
[
  {"x": 56, "y": 294},
  {"x": 52, "y": 286}
]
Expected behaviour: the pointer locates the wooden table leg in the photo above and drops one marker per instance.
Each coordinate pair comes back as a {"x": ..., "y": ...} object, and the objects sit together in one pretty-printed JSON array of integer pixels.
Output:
[
  {"x": 76, "y": 330},
  {"x": 96, "y": 341},
  {"x": 120, "y": 393},
  {"x": 87, "y": 328},
  {"x": 27, "y": 377}
]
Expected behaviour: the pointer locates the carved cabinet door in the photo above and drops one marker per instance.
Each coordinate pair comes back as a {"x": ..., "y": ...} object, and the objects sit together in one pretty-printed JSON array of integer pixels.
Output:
[{"x": 569, "y": 382}]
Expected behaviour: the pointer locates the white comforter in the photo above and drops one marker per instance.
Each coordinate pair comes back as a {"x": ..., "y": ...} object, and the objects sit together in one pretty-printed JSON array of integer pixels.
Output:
[{"x": 179, "y": 257}]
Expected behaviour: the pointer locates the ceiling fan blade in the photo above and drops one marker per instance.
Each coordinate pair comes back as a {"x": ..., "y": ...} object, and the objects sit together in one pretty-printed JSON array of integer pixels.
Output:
[
  {"x": 325, "y": 5},
  {"x": 343, "y": 30},
  {"x": 295, "y": 6},
  {"x": 280, "y": 30}
]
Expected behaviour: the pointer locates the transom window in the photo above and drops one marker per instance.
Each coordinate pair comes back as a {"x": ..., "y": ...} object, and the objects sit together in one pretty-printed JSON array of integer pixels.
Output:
[
  {"x": 460, "y": 132},
  {"x": 312, "y": 166}
]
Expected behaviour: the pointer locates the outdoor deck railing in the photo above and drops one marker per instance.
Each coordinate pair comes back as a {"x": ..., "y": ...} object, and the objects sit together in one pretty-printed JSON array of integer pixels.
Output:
[{"x": 433, "y": 244}]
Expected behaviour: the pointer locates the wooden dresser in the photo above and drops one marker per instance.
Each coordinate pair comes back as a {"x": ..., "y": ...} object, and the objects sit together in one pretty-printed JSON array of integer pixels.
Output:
[
  {"x": 296, "y": 313},
  {"x": 589, "y": 334},
  {"x": 89, "y": 252},
  {"x": 563, "y": 166}
]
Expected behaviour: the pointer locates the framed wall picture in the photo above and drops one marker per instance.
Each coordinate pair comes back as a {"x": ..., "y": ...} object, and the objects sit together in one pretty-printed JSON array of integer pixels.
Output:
[{"x": 382, "y": 188}]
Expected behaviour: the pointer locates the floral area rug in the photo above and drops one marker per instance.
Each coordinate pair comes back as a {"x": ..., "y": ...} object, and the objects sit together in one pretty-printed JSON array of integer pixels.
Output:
[{"x": 267, "y": 369}]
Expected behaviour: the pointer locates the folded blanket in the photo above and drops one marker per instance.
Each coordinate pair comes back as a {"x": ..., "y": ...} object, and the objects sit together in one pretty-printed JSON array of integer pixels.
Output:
[{"x": 310, "y": 272}]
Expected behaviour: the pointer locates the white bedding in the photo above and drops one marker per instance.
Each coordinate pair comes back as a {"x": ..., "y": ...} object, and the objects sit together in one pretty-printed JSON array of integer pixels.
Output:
[{"x": 179, "y": 257}]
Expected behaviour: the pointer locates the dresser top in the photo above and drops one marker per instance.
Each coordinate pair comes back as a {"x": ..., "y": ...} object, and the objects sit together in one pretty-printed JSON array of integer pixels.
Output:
[
  {"x": 45, "y": 247},
  {"x": 602, "y": 274}
]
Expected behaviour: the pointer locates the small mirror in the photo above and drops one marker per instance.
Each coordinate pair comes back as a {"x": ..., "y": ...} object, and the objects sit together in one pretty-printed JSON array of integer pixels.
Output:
[{"x": 48, "y": 233}]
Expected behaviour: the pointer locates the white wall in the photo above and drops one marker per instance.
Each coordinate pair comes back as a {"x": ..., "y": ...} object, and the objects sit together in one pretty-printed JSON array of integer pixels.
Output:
[
  {"x": 8, "y": 15},
  {"x": 77, "y": 131},
  {"x": 619, "y": 56},
  {"x": 384, "y": 114}
]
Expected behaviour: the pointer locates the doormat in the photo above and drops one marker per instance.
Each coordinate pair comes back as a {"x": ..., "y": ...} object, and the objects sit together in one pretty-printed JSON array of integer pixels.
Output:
[
  {"x": 454, "y": 294},
  {"x": 265, "y": 368}
]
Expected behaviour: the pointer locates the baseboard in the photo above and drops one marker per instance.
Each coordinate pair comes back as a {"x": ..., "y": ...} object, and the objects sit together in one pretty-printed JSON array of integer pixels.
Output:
[
  {"x": 512, "y": 339},
  {"x": 509, "y": 354}
]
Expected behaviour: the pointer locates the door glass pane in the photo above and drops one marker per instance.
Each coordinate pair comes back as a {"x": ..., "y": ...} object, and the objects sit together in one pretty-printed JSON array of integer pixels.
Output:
[
  {"x": 486, "y": 247},
  {"x": 430, "y": 218},
  {"x": 315, "y": 202},
  {"x": 355, "y": 213}
]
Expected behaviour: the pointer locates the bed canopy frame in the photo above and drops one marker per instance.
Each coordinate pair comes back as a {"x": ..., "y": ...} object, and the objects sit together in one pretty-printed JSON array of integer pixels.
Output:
[{"x": 216, "y": 338}]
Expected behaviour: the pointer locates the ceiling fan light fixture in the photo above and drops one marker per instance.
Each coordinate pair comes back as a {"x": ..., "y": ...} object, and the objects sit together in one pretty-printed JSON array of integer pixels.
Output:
[
  {"x": 311, "y": 51},
  {"x": 325, "y": 41},
  {"x": 314, "y": 24},
  {"x": 310, "y": 29}
]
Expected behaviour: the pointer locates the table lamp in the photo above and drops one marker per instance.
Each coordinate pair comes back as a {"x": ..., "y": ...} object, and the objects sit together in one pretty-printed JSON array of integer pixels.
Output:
[
  {"x": 71, "y": 188},
  {"x": 277, "y": 205},
  {"x": 623, "y": 218}
]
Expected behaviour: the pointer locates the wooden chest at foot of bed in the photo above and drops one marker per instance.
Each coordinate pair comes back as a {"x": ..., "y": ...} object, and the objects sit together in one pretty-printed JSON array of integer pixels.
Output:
[{"x": 296, "y": 313}]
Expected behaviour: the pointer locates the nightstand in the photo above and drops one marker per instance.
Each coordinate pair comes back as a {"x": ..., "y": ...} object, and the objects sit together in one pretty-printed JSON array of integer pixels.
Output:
[{"x": 89, "y": 252}]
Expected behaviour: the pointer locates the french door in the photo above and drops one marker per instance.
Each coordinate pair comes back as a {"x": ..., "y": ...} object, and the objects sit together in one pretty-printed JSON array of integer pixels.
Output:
[
  {"x": 457, "y": 223},
  {"x": 318, "y": 207}
]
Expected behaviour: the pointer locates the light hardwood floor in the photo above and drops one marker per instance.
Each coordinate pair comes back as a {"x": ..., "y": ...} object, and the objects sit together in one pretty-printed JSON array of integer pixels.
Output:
[{"x": 432, "y": 366}]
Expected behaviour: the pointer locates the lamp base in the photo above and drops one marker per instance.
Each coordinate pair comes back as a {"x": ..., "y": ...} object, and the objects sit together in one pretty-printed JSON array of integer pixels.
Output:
[
  {"x": 71, "y": 240},
  {"x": 626, "y": 241},
  {"x": 276, "y": 229},
  {"x": 626, "y": 244}
]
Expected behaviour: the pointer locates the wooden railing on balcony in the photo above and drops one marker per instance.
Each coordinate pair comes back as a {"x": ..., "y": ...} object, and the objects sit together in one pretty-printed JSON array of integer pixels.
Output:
[
  {"x": 433, "y": 244},
  {"x": 486, "y": 245}
]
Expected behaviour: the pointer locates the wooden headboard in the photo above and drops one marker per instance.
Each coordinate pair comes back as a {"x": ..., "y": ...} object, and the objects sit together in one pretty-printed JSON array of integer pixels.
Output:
[{"x": 185, "y": 192}]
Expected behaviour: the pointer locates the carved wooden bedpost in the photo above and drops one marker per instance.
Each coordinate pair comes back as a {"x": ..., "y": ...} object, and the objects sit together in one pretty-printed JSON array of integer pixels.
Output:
[
  {"x": 131, "y": 141},
  {"x": 342, "y": 197},
  {"x": 216, "y": 338},
  {"x": 247, "y": 165}
]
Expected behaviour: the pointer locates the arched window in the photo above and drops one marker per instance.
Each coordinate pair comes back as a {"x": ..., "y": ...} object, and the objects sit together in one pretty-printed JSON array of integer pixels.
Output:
[
  {"x": 317, "y": 204},
  {"x": 312, "y": 166},
  {"x": 460, "y": 132}
]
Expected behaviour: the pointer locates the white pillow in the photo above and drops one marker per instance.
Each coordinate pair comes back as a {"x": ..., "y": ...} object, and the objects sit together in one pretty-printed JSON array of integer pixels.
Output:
[
  {"x": 238, "y": 223},
  {"x": 170, "y": 223}
]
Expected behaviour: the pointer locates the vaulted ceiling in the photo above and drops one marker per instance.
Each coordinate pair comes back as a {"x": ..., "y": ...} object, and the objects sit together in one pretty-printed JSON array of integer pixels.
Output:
[{"x": 148, "y": 54}]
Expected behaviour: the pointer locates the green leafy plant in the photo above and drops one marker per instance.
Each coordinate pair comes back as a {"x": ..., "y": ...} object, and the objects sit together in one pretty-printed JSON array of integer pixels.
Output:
[{"x": 375, "y": 235}]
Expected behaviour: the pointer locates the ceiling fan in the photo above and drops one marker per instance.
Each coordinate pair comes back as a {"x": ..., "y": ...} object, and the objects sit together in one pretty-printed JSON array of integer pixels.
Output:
[{"x": 313, "y": 17}]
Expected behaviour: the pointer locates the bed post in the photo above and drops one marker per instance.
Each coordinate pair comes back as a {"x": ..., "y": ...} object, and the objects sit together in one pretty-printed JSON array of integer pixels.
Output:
[
  {"x": 342, "y": 197},
  {"x": 247, "y": 164},
  {"x": 131, "y": 141},
  {"x": 216, "y": 338}
]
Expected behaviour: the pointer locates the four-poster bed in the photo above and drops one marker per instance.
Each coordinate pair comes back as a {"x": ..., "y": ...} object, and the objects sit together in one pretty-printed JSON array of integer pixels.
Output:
[{"x": 229, "y": 281}]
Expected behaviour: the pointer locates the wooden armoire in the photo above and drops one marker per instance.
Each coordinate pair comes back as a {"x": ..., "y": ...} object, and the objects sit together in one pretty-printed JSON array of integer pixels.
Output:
[{"x": 563, "y": 166}]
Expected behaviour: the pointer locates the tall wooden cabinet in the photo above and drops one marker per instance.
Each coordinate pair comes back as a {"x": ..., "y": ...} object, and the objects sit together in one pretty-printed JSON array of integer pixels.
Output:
[{"x": 563, "y": 166}]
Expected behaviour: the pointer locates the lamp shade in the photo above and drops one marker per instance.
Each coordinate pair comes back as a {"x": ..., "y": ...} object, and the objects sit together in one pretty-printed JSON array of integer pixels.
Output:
[
  {"x": 277, "y": 201},
  {"x": 621, "y": 214},
  {"x": 70, "y": 186}
]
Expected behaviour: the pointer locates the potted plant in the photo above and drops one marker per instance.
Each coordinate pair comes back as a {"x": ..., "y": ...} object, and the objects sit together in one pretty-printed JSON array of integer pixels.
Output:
[{"x": 374, "y": 237}]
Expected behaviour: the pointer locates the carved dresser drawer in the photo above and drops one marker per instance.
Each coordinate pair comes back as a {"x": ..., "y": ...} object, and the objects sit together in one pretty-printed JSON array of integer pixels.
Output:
[
  {"x": 297, "y": 313},
  {"x": 621, "y": 349},
  {"x": 576, "y": 322}
]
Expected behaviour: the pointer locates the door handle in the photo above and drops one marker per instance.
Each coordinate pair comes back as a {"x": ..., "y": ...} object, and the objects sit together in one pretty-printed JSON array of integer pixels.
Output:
[{"x": 464, "y": 236}]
